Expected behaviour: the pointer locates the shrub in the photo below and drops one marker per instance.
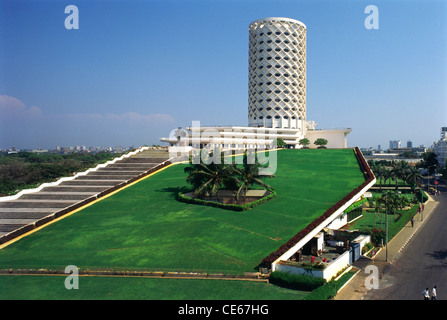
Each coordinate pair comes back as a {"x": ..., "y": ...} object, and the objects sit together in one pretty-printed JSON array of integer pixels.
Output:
[
  {"x": 417, "y": 195},
  {"x": 325, "y": 292},
  {"x": 368, "y": 246},
  {"x": 329, "y": 290},
  {"x": 296, "y": 282},
  {"x": 377, "y": 234}
]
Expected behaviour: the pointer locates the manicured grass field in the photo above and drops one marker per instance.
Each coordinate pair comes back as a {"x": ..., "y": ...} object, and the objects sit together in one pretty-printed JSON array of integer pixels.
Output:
[
  {"x": 371, "y": 220},
  {"x": 116, "y": 288},
  {"x": 145, "y": 227}
]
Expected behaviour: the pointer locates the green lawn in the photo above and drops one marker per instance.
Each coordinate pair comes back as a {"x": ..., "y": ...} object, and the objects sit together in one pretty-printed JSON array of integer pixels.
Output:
[
  {"x": 119, "y": 288},
  {"x": 371, "y": 220},
  {"x": 144, "y": 227}
]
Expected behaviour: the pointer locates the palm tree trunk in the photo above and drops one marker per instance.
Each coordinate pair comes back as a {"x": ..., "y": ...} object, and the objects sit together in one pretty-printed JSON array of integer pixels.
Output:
[{"x": 245, "y": 193}]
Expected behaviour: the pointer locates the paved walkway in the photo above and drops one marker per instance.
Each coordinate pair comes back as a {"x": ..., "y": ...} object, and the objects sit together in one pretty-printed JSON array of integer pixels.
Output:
[
  {"x": 355, "y": 289},
  {"x": 35, "y": 209}
]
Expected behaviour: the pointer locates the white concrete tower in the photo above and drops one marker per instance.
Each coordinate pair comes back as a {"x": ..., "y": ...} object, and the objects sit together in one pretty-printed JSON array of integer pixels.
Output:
[{"x": 277, "y": 74}]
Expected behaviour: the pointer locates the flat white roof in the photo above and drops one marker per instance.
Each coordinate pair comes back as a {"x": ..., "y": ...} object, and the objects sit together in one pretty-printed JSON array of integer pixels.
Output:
[{"x": 279, "y": 19}]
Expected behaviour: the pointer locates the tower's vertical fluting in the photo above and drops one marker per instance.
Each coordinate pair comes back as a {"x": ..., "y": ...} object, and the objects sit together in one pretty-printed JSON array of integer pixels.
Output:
[{"x": 277, "y": 73}]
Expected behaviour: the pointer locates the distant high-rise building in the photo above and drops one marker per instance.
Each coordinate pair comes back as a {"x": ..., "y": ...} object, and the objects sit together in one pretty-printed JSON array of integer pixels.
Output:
[
  {"x": 409, "y": 144},
  {"x": 440, "y": 147},
  {"x": 394, "y": 144},
  {"x": 443, "y": 132}
]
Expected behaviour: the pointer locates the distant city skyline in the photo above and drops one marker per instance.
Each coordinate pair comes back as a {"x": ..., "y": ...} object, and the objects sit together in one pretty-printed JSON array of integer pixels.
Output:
[{"x": 135, "y": 70}]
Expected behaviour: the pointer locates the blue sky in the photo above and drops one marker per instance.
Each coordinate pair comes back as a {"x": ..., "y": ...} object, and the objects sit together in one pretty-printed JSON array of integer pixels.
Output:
[{"x": 135, "y": 70}]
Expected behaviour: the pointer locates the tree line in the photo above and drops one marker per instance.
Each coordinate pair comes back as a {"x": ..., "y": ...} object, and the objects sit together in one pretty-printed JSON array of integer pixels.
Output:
[
  {"x": 399, "y": 170},
  {"x": 320, "y": 142}
]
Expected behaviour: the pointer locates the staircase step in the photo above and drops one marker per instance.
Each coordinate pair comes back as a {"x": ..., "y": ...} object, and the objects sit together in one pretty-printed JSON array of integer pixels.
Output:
[
  {"x": 31, "y": 203},
  {"x": 59, "y": 195},
  {"x": 76, "y": 188}
]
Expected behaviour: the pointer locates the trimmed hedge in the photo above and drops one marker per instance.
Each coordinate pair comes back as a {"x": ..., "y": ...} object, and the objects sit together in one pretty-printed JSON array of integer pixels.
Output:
[
  {"x": 295, "y": 281},
  {"x": 235, "y": 207},
  {"x": 355, "y": 205},
  {"x": 329, "y": 290},
  {"x": 418, "y": 196}
]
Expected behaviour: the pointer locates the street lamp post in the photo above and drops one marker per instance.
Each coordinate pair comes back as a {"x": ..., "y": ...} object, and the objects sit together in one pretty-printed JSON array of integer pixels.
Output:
[
  {"x": 422, "y": 207},
  {"x": 386, "y": 227}
]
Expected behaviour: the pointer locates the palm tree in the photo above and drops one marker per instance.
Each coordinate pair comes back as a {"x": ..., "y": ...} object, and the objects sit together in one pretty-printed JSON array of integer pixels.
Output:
[
  {"x": 396, "y": 173},
  {"x": 379, "y": 173},
  {"x": 412, "y": 177},
  {"x": 207, "y": 179},
  {"x": 386, "y": 174},
  {"x": 248, "y": 176},
  {"x": 378, "y": 205},
  {"x": 400, "y": 171},
  {"x": 374, "y": 167},
  {"x": 196, "y": 174},
  {"x": 404, "y": 169}
]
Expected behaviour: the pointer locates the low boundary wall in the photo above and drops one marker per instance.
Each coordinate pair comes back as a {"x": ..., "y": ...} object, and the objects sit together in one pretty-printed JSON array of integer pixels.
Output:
[{"x": 327, "y": 273}]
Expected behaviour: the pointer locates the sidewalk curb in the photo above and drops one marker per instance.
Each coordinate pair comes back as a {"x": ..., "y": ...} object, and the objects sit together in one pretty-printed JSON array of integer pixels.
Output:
[{"x": 350, "y": 279}]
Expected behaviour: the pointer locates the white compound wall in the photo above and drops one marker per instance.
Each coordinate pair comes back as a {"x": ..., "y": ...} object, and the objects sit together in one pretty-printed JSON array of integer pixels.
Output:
[{"x": 277, "y": 73}]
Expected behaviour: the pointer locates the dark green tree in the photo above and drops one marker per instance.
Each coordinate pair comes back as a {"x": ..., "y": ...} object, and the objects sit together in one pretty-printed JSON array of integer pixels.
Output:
[
  {"x": 304, "y": 142},
  {"x": 321, "y": 143},
  {"x": 280, "y": 143},
  {"x": 429, "y": 162}
]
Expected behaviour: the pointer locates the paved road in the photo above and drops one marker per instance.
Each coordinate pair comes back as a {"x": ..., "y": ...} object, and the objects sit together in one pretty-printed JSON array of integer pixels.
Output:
[{"x": 423, "y": 263}]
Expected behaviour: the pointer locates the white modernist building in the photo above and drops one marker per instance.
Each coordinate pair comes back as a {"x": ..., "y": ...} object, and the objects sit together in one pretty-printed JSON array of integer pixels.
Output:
[
  {"x": 276, "y": 95},
  {"x": 277, "y": 74},
  {"x": 440, "y": 147}
]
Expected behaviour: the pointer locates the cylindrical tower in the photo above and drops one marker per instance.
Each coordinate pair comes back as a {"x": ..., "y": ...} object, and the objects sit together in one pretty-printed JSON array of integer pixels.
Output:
[{"x": 277, "y": 73}]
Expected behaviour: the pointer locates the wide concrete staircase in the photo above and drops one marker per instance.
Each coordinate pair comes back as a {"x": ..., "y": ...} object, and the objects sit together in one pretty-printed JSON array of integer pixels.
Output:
[{"x": 32, "y": 210}]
